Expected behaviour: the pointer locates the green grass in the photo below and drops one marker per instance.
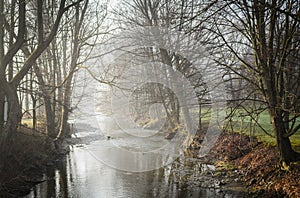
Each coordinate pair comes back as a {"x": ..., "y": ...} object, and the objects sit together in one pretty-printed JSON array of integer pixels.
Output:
[
  {"x": 264, "y": 121},
  {"x": 241, "y": 124}
]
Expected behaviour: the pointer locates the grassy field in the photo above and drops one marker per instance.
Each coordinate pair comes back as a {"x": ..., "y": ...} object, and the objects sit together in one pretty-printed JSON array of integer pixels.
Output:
[{"x": 243, "y": 124}]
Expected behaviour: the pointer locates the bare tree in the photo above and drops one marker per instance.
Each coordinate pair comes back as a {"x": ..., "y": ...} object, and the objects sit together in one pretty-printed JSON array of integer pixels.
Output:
[
  {"x": 268, "y": 33},
  {"x": 171, "y": 15},
  {"x": 9, "y": 84}
]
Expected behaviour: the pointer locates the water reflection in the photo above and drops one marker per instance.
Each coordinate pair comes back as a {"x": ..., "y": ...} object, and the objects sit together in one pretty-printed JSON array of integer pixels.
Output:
[
  {"x": 81, "y": 175},
  {"x": 82, "y": 172}
]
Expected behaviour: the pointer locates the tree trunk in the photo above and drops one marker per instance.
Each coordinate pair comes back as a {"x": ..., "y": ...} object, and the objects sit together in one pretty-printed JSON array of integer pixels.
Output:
[
  {"x": 2, "y": 102},
  {"x": 34, "y": 102},
  {"x": 64, "y": 127},
  {"x": 34, "y": 118},
  {"x": 51, "y": 131},
  {"x": 287, "y": 154},
  {"x": 2, "y": 96},
  {"x": 13, "y": 118},
  {"x": 50, "y": 120},
  {"x": 64, "y": 130}
]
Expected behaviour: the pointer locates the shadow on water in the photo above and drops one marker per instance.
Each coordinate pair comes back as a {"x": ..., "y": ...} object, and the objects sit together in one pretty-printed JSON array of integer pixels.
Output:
[{"x": 79, "y": 174}]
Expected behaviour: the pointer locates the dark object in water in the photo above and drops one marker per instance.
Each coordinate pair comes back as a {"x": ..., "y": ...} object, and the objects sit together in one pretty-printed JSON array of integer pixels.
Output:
[
  {"x": 170, "y": 135},
  {"x": 108, "y": 137}
]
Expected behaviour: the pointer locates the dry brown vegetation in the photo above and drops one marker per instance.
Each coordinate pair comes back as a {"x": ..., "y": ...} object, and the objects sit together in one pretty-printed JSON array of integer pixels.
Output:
[{"x": 258, "y": 164}]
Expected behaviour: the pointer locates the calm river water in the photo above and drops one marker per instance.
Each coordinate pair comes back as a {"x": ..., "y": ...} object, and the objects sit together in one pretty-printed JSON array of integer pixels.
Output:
[{"x": 84, "y": 174}]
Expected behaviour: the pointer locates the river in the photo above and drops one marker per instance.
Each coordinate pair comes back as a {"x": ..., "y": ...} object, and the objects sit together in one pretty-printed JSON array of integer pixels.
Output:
[{"x": 97, "y": 168}]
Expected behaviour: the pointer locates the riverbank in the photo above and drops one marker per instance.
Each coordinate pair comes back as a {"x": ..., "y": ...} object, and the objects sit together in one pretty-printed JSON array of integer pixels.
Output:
[
  {"x": 236, "y": 163},
  {"x": 29, "y": 155},
  {"x": 244, "y": 159}
]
